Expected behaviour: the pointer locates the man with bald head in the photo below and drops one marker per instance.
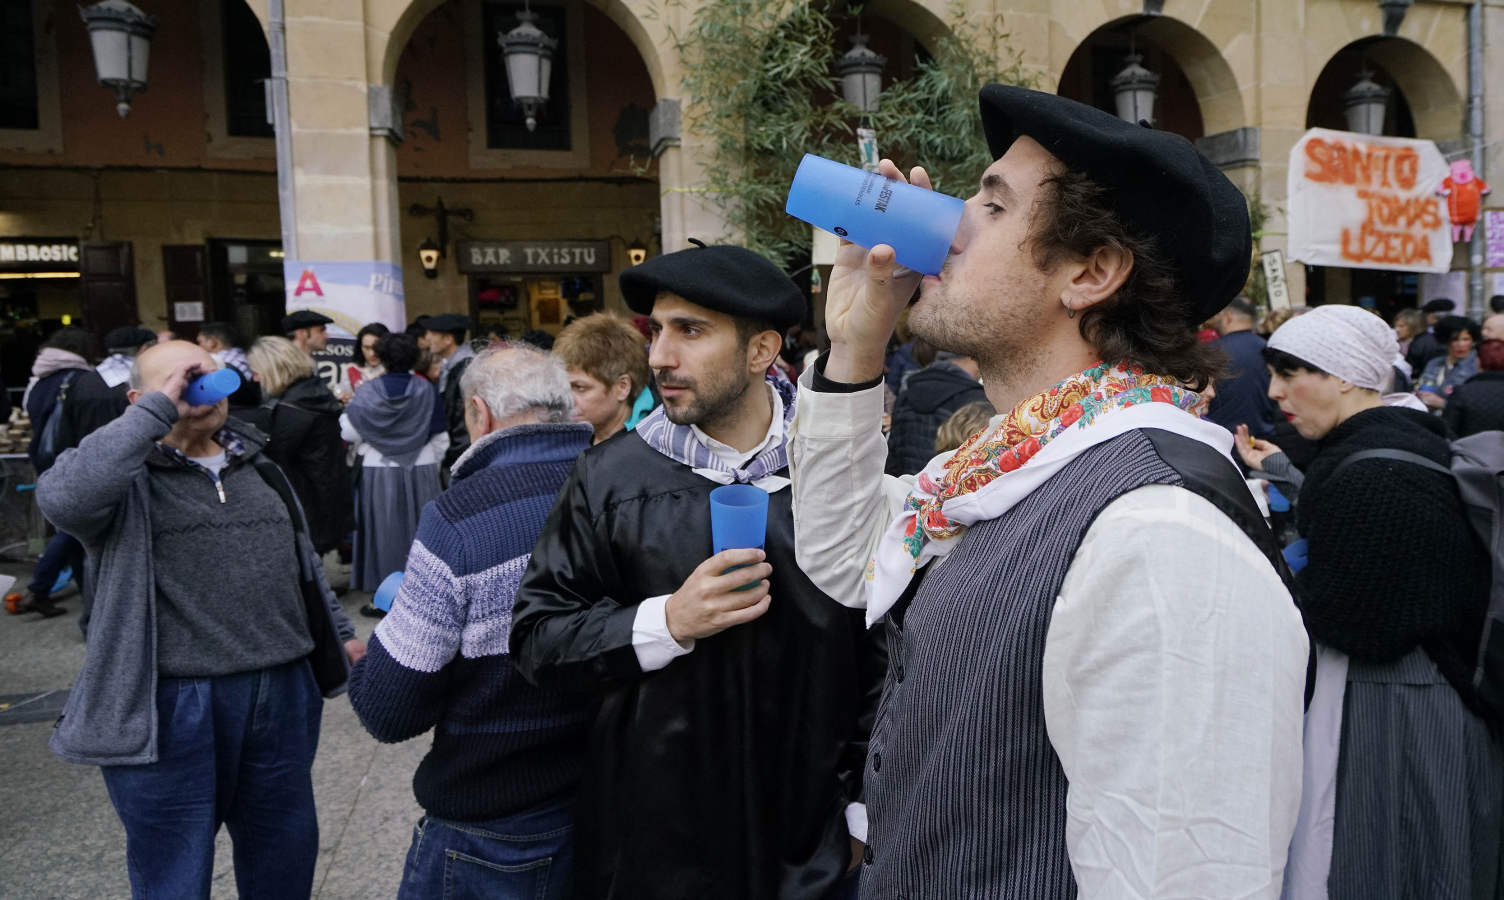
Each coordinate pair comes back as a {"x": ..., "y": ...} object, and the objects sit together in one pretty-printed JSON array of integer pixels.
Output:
[
  {"x": 213, "y": 635},
  {"x": 1493, "y": 327}
]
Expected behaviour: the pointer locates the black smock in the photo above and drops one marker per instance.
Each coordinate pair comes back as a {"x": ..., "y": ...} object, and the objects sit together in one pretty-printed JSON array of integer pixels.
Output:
[{"x": 727, "y": 773}]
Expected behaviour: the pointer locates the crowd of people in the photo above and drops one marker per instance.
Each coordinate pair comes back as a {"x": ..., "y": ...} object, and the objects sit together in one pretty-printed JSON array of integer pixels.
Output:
[{"x": 1081, "y": 575}]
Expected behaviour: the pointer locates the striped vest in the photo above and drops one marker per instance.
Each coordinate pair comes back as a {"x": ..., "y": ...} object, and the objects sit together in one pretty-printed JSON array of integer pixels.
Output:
[{"x": 965, "y": 795}]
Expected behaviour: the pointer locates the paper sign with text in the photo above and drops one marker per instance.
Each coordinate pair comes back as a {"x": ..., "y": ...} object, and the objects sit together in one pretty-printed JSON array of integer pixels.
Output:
[{"x": 1364, "y": 202}]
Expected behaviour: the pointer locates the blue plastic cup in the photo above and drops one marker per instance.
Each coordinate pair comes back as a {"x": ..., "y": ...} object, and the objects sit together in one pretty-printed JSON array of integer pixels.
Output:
[
  {"x": 209, "y": 389},
  {"x": 386, "y": 592},
  {"x": 738, "y": 520},
  {"x": 868, "y": 209}
]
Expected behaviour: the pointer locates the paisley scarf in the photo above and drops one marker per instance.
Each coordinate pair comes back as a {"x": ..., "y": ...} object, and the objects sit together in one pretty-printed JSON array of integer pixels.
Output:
[{"x": 1018, "y": 451}]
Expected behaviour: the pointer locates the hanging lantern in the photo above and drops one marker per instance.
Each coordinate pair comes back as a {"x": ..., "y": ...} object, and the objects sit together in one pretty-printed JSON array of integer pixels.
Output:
[
  {"x": 861, "y": 72},
  {"x": 1365, "y": 104},
  {"x": 428, "y": 256},
  {"x": 637, "y": 254},
  {"x": 120, "y": 35},
  {"x": 529, "y": 56},
  {"x": 1134, "y": 90}
]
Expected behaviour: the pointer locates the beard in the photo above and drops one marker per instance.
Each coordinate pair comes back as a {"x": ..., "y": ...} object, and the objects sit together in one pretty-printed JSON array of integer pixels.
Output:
[
  {"x": 711, "y": 399},
  {"x": 996, "y": 327}
]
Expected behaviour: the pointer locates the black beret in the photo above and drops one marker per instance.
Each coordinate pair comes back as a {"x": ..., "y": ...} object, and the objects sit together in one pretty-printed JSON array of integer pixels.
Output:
[
  {"x": 303, "y": 318},
  {"x": 445, "y": 322},
  {"x": 1439, "y": 305},
  {"x": 1162, "y": 187},
  {"x": 128, "y": 337},
  {"x": 727, "y": 279}
]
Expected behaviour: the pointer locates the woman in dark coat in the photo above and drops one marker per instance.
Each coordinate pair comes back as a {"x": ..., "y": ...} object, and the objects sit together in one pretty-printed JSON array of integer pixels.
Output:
[
  {"x": 1478, "y": 403},
  {"x": 301, "y": 417},
  {"x": 1394, "y": 587},
  {"x": 399, "y": 430}
]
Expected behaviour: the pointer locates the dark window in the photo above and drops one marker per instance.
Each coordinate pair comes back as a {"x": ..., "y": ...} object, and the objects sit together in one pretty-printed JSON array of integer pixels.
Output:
[
  {"x": 506, "y": 126},
  {"x": 18, "y": 66},
  {"x": 248, "y": 64}
]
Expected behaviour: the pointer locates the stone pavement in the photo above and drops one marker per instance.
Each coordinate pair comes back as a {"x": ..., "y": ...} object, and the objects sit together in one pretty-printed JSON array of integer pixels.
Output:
[{"x": 59, "y": 837}]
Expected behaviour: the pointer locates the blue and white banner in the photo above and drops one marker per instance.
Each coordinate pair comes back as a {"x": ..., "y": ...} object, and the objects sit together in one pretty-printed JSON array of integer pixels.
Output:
[{"x": 354, "y": 295}]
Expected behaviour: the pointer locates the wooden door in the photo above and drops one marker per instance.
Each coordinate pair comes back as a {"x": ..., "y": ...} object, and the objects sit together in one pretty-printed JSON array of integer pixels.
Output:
[
  {"x": 185, "y": 276},
  {"x": 107, "y": 276}
]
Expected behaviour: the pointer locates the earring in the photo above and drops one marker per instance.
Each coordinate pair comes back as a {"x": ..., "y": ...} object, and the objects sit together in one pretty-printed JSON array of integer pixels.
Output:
[{"x": 1070, "y": 312}]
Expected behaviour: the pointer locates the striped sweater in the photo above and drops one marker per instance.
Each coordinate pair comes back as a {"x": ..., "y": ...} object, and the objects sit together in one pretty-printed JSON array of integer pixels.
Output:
[{"x": 439, "y": 659}]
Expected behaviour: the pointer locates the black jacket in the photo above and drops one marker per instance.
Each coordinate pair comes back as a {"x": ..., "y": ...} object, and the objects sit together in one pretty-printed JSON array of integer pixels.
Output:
[
  {"x": 302, "y": 427},
  {"x": 1424, "y": 347},
  {"x": 1242, "y": 396},
  {"x": 90, "y": 403},
  {"x": 725, "y": 774},
  {"x": 1476, "y": 405},
  {"x": 928, "y": 398},
  {"x": 454, "y": 412},
  {"x": 1392, "y": 562}
]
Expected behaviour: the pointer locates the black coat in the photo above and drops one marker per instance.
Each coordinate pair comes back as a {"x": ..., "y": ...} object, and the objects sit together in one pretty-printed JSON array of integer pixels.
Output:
[
  {"x": 1424, "y": 347},
  {"x": 90, "y": 404},
  {"x": 724, "y": 775},
  {"x": 302, "y": 427},
  {"x": 454, "y": 414},
  {"x": 928, "y": 398},
  {"x": 1476, "y": 405},
  {"x": 1392, "y": 561}
]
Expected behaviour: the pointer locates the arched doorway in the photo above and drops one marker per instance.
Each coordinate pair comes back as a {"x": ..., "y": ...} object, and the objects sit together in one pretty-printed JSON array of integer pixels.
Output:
[
  {"x": 537, "y": 223},
  {"x": 1422, "y": 102},
  {"x": 1198, "y": 93}
]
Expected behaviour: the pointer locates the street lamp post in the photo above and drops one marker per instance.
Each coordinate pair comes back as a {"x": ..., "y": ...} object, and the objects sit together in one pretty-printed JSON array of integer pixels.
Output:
[
  {"x": 861, "y": 73},
  {"x": 529, "y": 57},
  {"x": 120, "y": 35},
  {"x": 1134, "y": 90},
  {"x": 1364, "y": 105}
]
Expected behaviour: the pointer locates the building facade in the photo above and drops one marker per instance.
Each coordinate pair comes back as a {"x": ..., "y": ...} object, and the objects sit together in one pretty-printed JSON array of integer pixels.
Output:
[{"x": 401, "y": 134}]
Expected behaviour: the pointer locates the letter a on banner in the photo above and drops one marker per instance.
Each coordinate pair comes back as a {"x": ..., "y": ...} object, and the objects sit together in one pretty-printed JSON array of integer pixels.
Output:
[{"x": 308, "y": 282}]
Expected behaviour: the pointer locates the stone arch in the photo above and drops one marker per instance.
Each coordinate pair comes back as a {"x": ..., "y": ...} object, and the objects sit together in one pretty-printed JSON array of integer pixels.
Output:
[
  {"x": 408, "y": 13},
  {"x": 1436, "y": 103},
  {"x": 1218, "y": 95}
]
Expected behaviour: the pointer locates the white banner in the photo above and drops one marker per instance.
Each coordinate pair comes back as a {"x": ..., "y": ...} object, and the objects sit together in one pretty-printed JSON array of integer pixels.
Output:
[
  {"x": 1365, "y": 202},
  {"x": 353, "y": 294}
]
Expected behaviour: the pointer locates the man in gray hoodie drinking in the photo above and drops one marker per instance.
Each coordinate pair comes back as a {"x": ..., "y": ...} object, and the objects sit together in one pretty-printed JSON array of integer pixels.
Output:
[{"x": 214, "y": 634}]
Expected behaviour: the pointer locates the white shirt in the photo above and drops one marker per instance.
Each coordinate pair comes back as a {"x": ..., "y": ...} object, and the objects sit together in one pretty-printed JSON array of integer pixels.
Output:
[{"x": 1173, "y": 674}]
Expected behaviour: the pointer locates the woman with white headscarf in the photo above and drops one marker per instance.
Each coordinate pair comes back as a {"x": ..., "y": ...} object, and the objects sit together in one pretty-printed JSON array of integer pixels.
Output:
[{"x": 1404, "y": 780}]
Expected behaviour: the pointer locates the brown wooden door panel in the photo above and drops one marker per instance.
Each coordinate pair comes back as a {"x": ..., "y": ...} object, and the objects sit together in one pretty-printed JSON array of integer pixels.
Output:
[
  {"x": 185, "y": 273},
  {"x": 108, "y": 285}
]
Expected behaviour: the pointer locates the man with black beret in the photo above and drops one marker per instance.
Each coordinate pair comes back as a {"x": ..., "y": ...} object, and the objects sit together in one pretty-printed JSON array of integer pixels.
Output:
[
  {"x": 726, "y": 755},
  {"x": 305, "y": 328},
  {"x": 1098, "y": 672},
  {"x": 444, "y": 337},
  {"x": 1426, "y": 346}
]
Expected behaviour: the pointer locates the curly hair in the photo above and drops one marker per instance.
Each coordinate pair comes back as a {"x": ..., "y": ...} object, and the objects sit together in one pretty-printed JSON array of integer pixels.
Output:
[{"x": 1147, "y": 322}]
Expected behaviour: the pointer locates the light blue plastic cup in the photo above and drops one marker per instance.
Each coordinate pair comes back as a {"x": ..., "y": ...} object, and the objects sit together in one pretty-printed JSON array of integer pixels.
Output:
[
  {"x": 386, "y": 592},
  {"x": 868, "y": 209},
  {"x": 209, "y": 389},
  {"x": 738, "y": 520}
]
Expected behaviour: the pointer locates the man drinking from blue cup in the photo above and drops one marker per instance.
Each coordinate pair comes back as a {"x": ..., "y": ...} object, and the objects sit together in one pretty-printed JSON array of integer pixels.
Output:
[
  {"x": 1097, "y": 670},
  {"x": 726, "y": 755}
]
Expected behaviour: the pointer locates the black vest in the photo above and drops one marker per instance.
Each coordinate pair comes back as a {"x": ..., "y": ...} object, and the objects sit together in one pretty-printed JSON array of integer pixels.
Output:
[{"x": 965, "y": 795}]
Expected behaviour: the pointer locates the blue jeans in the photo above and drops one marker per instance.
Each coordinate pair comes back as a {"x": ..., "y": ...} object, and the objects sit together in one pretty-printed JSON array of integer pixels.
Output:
[
  {"x": 529, "y": 856},
  {"x": 234, "y": 750},
  {"x": 63, "y": 550}
]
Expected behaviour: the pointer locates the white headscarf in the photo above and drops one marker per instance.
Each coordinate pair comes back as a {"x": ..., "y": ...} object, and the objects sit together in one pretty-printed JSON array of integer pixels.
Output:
[{"x": 1345, "y": 341}]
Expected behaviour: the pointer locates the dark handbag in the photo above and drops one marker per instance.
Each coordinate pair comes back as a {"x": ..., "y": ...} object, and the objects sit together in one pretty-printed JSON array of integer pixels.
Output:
[
  {"x": 331, "y": 668},
  {"x": 49, "y": 443}
]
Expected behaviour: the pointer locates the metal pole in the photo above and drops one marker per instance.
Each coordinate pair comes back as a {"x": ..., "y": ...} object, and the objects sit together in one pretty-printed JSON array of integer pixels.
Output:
[
  {"x": 1475, "y": 139},
  {"x": 281, "y": 120}
]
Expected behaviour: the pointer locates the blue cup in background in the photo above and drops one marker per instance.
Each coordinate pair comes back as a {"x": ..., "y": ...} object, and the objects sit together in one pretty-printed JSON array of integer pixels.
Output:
[
  {"x": 867, "y": 209},
  {"x": 738, "y": 520},
  {"x": 210, "y": 388},
  {"x": 386, "y": 592}
]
